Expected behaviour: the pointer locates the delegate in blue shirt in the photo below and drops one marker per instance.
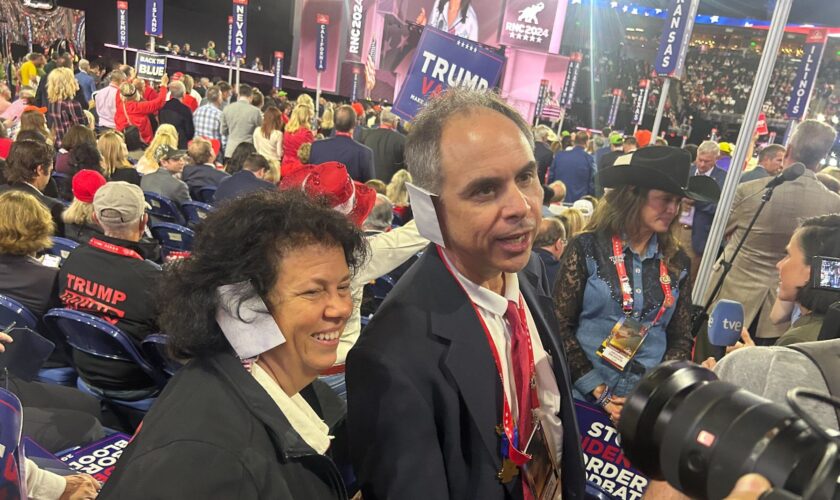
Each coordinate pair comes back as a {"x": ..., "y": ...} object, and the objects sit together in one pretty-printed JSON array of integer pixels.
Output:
[{"x": 600, "y": 309}]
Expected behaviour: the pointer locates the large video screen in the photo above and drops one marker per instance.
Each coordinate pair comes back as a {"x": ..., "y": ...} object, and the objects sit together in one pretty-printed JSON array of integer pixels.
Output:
[{"x": 22, "y": 26}]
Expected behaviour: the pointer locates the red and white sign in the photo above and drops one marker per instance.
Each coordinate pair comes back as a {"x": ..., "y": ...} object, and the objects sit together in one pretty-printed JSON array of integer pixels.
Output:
[{"x": 761, "y": 126}]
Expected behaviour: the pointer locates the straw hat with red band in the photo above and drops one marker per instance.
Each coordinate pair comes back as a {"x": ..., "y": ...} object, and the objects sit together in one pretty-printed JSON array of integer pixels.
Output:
[
  {"x": 85, "y": 184},
  {"x": 331, "y": 181}
]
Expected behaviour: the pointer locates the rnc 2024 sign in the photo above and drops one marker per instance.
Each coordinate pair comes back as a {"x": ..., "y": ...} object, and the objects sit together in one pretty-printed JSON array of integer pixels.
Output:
[{"x": 442, "y": 61}]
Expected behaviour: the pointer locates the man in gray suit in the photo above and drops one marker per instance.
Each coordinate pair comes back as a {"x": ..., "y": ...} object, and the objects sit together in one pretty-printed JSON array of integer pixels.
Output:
[
  {"x": 754, "y": 278},
  {"x": 771, "y": 159},
  {"x": 239, "y": 119}
]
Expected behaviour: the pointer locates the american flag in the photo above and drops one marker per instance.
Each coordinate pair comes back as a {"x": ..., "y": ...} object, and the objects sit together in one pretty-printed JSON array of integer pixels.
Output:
[
  {"x": 370, "y": 66},
  {"x": 551, "y": 111}
]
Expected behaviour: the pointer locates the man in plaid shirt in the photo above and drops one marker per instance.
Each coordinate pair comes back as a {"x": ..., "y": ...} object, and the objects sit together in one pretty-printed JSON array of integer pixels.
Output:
[{"x": 208, "y": 118}]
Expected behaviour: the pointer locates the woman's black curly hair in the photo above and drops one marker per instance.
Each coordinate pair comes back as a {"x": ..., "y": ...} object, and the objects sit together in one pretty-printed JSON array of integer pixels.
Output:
[
  {"x": 818, "y": 237},
  {"x": 244, "y": 241}
]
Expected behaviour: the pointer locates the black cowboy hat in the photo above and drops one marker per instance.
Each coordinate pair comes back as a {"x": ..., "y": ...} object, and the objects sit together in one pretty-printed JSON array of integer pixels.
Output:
[{"x": 660, "y": 167}]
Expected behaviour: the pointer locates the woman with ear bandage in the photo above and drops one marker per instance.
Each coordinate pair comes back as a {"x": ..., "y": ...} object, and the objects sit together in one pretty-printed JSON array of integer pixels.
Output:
[{"x": 273, "y": 287}]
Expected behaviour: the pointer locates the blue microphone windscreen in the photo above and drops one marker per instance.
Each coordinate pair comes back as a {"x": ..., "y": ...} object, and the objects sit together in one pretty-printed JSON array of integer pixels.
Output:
[{"x": 725, "y": 323}]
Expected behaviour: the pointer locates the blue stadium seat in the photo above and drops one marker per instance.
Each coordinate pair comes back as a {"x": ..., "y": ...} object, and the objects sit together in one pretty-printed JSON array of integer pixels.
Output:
[
  {"x": 62, "y": 247},
  {"x": 195, "y": 211},
  {"x": 206, "y": 194},
  {"x": 173, "y": 236},
  {"x": 154, "y": 347},
  {"x": 91, "y": 335},
  {"x": 12, "y": 483},
  {"x": 12, "y": 311},
  {"x": 382, "y": 286},
  {"x": 164, "y": 209}
]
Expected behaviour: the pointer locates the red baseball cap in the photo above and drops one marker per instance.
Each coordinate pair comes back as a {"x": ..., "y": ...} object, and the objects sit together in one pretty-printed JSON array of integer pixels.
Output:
[
  {"x": 85, "y": 184},
  {"x": 177, "y": 76},
  {"x": 331, "y": 181},
  {"x": 358, "y": 108},
  {"x": 643, "y": 137}
]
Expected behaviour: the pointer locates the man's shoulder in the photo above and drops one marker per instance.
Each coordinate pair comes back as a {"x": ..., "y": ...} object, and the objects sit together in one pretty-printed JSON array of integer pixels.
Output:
[{"x": 86, "y": 258}]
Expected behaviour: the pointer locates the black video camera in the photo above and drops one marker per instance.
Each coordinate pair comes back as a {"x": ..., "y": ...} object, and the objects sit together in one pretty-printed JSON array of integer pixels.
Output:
[{"x": 683, "y": 425}]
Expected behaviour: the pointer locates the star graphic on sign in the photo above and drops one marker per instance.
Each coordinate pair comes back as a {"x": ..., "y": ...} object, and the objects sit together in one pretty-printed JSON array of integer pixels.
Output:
[
  {"x": 625, "y": 8},
  {"x": 533, "y": 38},
  {"x": 517, "y": 36},
  {"x": 539, "y": 39},
  {"x": 714, "y": 19}
]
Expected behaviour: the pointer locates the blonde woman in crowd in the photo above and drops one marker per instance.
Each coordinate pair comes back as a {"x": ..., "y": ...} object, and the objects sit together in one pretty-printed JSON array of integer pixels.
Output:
[
  {"x": 115, "y": 158},
  {"x": 396, "y": 191},
  {"x": 304, "y": 151},
  {"x": 165, "y": 135},
  {"x": 78, "y": 220},
  {"x": 305, "y": 100},
  {"x": 378, "y": 186},
  {"x": 327, "y": 125},
  {"x": 297, "y": 132},
  {"x": 573, "y": 220},
  {"x": 64, "y": 110}
]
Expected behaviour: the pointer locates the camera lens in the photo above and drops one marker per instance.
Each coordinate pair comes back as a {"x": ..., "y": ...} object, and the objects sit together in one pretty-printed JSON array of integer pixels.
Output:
[{"x": 683, "y": 425}]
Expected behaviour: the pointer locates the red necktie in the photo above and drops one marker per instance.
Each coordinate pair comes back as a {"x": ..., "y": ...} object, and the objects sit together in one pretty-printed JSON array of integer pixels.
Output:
[{"x": 520, "y": 358}]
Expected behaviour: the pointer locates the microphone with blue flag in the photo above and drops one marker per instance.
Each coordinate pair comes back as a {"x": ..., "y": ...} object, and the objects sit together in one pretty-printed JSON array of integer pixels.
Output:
[{"x": 726, "y": 323}]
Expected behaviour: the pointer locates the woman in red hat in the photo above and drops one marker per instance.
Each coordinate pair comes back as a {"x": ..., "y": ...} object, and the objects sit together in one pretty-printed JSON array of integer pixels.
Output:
[
  {"x": 78, "y": 217},
  {"x": 331, "y": 182}
]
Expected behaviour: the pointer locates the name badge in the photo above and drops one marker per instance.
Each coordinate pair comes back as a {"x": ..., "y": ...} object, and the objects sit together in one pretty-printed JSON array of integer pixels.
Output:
[{"x": 624, "y": 341}]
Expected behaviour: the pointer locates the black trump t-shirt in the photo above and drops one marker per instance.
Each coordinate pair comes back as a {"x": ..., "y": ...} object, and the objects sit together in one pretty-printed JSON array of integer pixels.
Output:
[{"x": 109, "y": 278}]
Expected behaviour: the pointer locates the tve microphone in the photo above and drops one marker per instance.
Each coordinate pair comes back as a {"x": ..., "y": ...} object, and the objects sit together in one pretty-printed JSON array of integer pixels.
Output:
[
  {"x": 789, "y": 174},
  {"x": 725, "y": 323}
]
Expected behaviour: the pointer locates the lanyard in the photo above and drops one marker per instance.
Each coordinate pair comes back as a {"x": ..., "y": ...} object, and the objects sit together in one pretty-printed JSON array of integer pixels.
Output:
[
  {"x": 508, "y": 428},
  {"x": 115, "y": 249},
  {"x": 627, "y": 290}
]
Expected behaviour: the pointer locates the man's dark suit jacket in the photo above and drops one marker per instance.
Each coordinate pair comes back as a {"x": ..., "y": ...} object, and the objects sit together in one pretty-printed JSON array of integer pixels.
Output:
[
  {"x": 544, "y": 156},
  {"x": 177, "y": 114},
  {"x": 357, "y": 157},
  {"x": 552, "y": 265},
  {"x": 240, "y": 183},
  {"x": 55, "y": 207},
  {"x": 425, "y": 396},
  {"x": 576, "y": 168},
  {"x": 704, "y": 213},
  {"x": 199, "y": 176},
  {"x": 388, "y": 148}
]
